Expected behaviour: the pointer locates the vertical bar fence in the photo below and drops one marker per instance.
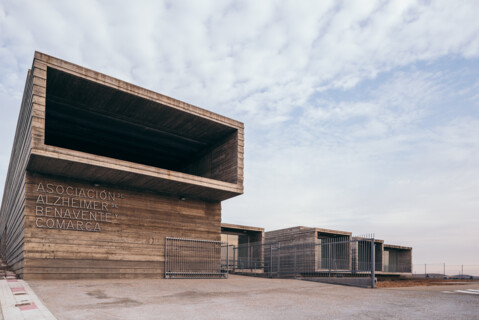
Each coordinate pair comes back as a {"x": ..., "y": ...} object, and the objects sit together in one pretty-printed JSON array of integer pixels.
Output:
[
  {"x": 192, "y": 258},
  {"x": 446, "y": 271},
  {"x": 338, "y": 259}
]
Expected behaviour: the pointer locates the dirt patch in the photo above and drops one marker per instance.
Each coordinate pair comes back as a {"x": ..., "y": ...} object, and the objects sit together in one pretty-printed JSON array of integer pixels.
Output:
[
  {"x": 420, "y": 282},
  {"x": 125, "y": 302},
  {"x": 98, "y": 294}
]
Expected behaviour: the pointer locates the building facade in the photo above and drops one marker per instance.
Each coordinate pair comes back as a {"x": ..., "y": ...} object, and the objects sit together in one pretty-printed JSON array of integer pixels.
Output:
[{"x": 103, "y": 171}]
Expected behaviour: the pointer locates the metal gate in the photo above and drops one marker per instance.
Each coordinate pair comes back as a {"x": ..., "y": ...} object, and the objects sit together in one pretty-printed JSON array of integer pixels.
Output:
[
  {"x": 338, "y": 260},
  {"x": 193, "y": 258}
]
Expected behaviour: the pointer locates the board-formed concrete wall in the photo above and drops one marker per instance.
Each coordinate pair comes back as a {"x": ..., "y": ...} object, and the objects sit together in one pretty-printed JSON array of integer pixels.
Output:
[
  {"x": 12, "y": 220},
  {"x": 76, "y": 230}
]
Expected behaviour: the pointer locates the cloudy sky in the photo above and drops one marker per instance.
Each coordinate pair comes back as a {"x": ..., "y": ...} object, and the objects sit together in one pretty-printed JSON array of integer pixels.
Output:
[{"x": 359, "y": 115}]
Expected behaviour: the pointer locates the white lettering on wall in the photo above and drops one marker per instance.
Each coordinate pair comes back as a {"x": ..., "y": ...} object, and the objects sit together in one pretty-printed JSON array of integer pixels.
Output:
[{"x": 71, "y": 208}]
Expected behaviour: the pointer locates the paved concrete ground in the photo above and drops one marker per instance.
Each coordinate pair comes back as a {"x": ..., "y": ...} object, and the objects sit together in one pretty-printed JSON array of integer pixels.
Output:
[{"x": 250, "y": 298}]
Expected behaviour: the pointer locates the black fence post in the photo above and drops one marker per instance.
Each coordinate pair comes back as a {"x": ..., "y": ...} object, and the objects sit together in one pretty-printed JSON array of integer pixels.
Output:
[{"x": 373, "y": 264}]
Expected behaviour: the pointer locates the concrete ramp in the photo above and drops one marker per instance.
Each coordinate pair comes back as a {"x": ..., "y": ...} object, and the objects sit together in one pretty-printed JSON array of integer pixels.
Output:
[{"x": 364, "y": 282}]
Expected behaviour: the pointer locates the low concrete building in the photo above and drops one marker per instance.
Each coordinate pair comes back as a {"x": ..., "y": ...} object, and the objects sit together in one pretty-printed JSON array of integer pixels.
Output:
[
  {"x": 307, "y": 249},
  {"x": 397, "y": 259},
  {"x": 244, "y": 246},
  {"x": 319, "y": 250}
]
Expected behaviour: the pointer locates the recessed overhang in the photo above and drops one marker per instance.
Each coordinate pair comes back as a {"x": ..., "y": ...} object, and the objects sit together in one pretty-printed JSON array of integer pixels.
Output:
[{"x": 87, "y": 125}]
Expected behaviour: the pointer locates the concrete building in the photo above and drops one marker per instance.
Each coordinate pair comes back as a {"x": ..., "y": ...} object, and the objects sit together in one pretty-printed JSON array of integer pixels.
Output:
[
  {"x": 307, "y": 249},
  {"x": 312, "y": 255},
  {"x": 102, "y": 172},
  {"x": 244, "y": 246}
]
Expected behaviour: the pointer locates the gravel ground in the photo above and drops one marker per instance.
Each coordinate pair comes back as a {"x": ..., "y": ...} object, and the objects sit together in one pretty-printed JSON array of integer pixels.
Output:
[{"x": 241, "y": 297}]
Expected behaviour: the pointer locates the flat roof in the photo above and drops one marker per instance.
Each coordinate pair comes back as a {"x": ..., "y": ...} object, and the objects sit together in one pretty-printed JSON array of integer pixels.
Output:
[
  {"x": 241, "y": 227},
  {"x": 393, "y": 246},
  {"x": 330, "y": 231},
  {"x": 310, "y": 229}
]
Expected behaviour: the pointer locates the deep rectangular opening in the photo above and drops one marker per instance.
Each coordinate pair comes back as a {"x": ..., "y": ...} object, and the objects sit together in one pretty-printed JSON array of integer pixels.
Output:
[
  {"x": 397, "y": 260},
  {"x": 86, "y": 116},
  {"x": 327, "y": 235}
]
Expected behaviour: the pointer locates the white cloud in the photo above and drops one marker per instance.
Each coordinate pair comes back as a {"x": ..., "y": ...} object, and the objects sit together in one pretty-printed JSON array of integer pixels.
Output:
[{"x": 351, "y": 119}]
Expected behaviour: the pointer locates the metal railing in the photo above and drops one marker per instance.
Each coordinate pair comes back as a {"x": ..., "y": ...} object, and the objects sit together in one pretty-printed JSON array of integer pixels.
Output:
[
  {"x": 341, "y": 257},
  {"x": 455, "y": 271},
  {"x": 397, "y": 268},
  {"x": 192, "y": 258}
]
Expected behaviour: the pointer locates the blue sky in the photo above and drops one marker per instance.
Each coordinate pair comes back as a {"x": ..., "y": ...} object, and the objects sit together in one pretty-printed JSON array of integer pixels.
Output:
[{"x": 359, "y": 115}]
